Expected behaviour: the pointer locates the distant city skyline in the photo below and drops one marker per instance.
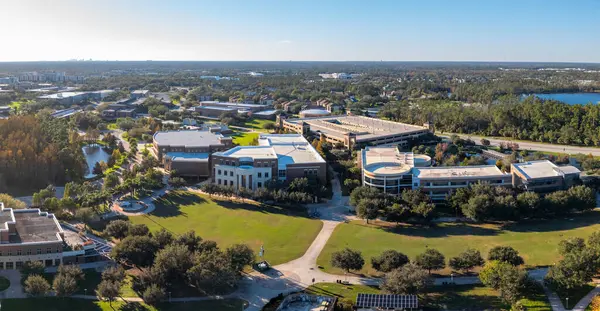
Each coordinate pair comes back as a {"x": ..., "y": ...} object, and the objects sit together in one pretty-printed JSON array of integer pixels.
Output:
[{"x": 307, "y": 30}]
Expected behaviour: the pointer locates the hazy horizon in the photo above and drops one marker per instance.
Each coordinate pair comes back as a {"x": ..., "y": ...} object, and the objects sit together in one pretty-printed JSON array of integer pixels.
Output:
[{"x": 535, "y": 31}]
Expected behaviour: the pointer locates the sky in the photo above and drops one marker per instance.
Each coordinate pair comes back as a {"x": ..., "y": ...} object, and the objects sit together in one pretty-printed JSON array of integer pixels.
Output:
[{"x": 301, "y": 30}]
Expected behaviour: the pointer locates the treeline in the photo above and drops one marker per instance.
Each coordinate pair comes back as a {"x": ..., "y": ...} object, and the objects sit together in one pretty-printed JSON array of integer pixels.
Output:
[
  {"x": 502, "y": 270},
  {"x": 479, "y": 202},
  {"x": 532, "y": 119},
  {"x": 177, "y": 264},
  {"x": 36, "y": 151}
]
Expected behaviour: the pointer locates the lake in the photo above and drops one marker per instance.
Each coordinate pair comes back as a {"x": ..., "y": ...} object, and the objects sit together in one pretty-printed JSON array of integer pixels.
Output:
[
  {"x": 570, "y": 98},
  {"x": 93, "y": 154}
]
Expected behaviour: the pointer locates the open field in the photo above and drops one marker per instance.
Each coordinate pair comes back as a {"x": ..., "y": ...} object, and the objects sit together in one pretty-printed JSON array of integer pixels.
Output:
[
  {"x": 72, "y": 304},
  {"x": 460, "y": 297},
  {"x": 536, "y": 241},
  {"x": 257, "y": 124},
  {"x": 244, "y": 139},
  {"x": 285, "y": 234}
]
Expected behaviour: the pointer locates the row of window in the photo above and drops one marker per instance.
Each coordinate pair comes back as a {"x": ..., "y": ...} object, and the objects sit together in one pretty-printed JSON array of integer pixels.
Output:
[
  {"x": 256, "y": 163},
  {"x": 29, "y": 252},
  {"x": 310, "y": 172},
  {"x": 19, "y": 264},
  {"x": 224, "y": 182},
  {"x": 225, "y": 172}
]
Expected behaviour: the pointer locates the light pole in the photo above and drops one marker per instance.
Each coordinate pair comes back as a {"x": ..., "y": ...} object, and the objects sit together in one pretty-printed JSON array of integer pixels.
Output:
[
  {"x": 169, "y": 297},
  {"x": 567, "y": 307},
  {"x": 85, "y": 291},
  {"x": 452, "y": 277}
]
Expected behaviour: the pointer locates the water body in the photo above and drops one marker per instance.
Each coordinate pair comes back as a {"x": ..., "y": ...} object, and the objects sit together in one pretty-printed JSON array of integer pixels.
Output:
[
  {"x": 94, "y": 154},
  {"x": 570, "y": 98}
]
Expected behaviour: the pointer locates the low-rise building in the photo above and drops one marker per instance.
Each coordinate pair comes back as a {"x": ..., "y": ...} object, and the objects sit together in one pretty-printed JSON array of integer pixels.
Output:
[
  {"x": 265, "y": 114},
  {"x": 139, "y": 93},
  {"x": 543, "y": 176},
  {"x": 282, "y": 157},
  {"x": 392, "y": 171},
  {"x": 32, "y": 235},
  {"x": 213, "y": 112},
  {"x": 188, "y": 152}
]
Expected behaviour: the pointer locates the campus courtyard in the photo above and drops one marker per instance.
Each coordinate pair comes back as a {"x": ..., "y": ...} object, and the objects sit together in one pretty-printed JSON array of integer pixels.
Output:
[
  {"x": 536, "y": 241},
  {"x": 285, "y": 233}
]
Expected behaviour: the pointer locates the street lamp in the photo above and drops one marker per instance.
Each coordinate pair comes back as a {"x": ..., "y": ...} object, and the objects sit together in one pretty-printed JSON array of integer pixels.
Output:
[
  {"x": 452, "y": 277},
  {"x": 169, "y": 297},
  {"x": 567, "y": 307},
  {"x": 85, "y": 291}
]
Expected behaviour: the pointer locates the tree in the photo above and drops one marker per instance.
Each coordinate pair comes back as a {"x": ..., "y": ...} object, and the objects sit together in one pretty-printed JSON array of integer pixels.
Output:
[
  {"x": 505, "y": 254},
  {"x": 84, "y": 215},
  {"x": 408, "y": 279},
  {"x": 431, "y": 259},
  {"x": 135, "y": 250},
  {"x": 190, "y": 240},
  {"x": 240, "y": 256},
  {"x": 172, "y": 264},
  {"x": 117, "y": 228},
  {"x": 177, "y": 182},
  {"x": 36, "y": 285},
  {"x": 347, "y": 259},
  {"x": 212, "y": 272},
  {"x": 153, "y": 294},
  {"x": 389, "y": 260},
  {"x": 163, "y": 238},
  {"x": 139, "y": 230},
  {"x": 368, "y": 208},
  {"x": 73, "y": 271},
  {"x": 111, "y": 180},
  {"x": 528, "y": 203},
  {"x": 114, "y": 274},
  {"x": 466, "y": 260},
  {"x": 10, "y": 202},
  {"x": 33, "y": 267},
  {"x": 64, "y": 285},
  {"x": 577, "y": 267},
  {"x": 97, "y": 169},
  {"x": 509, "y": 280},
  {"x": 108, "y": 290},
  {"x": 485, "y": 142}
]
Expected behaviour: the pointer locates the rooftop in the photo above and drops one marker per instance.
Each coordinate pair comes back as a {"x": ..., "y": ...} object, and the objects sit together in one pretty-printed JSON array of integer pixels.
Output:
[
  {"x": 187, "y": 138},
  {"x": 62, "y": 95},
  {"x": 266, "y": 112},
  {"x": 365, "y": 128},
  {"x": 287, "y": 148},
  {"x": 387, "y": 160},
  {"x": 458, "y": 171},
  {"x": 543, "y": 169},
  {"x": 188, "y": 156},
  {"x": 238, "y": 105},
  {"x": 31, "y": 225}
]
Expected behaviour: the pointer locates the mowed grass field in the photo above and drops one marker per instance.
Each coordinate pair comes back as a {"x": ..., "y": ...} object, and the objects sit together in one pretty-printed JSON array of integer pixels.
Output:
[
  {"x": 536, "y": 241},
  {"x": 257, "y": 124},
  {"x": 244, "y": 139},
  {"x": 72, "y": 304},
  {"x": 285, "y": 234}
]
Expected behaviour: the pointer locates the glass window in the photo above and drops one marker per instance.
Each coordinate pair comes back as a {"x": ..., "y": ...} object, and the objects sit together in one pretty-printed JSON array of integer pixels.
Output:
[
  {"x": 259, "y": 184},
  {"x": 266, "y": 175},
  {"x": 29, "y": 252},
  {"x": 259, "y": 174},
  {"x": 218, "y": 181},
  {"x": 231, "y": 182},
  {"x": 19, "y": 253},
  {"x": 9, "y": 253},
  {"x": 231, "y": 173},
  {"x": 219, "y": 172},
  {"x": 39, "y": 251},
  {"x": 48, "y": 250},
  {"x": 281, "y": 173}
]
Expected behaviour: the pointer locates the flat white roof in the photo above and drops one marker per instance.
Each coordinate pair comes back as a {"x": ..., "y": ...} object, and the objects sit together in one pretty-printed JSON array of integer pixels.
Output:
[
  {"x": 187, "y": 138},
  {"x": 458, "y": 171},
  {"x": 287, "y": 148},
  {"x": 188, "y": 157},
  {"x": 387, "y": 160},
  {"x": 365, "y": 128},
  {"x": 543, "y": 169}
]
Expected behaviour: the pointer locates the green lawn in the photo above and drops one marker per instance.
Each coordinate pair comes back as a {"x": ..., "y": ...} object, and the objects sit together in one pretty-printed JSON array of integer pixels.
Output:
[
  {"x": 257, "y": 124},
  {"x": 244, "y": 139},
  {"x": 285, "y": 234},
  {"x": 72, "y": 304},
  {"x": 536, "y": 241},
  {"x": 460, "y": 297}
]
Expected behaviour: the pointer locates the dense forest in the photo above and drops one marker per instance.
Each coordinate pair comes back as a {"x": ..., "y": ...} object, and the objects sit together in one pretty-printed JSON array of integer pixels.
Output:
[
  {"x": 530, "y": 119},
  {"x": 35, "y": 151}
]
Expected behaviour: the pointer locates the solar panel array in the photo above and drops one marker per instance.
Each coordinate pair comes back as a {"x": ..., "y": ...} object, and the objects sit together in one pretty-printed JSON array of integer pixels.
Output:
[{"x": 387, "y": 301}]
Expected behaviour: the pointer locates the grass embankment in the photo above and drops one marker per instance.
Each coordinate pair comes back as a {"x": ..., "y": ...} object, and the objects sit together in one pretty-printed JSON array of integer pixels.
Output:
[
  {"x": 285, "y": 234},
  {"x": 536, "y": 241}
]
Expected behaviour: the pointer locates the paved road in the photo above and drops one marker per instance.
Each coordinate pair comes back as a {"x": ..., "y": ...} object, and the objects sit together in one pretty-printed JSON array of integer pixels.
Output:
[{"x": 533, "y": 145}]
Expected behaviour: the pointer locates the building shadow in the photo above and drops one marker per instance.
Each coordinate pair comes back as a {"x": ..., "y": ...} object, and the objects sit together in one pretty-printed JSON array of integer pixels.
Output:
[
  {"x": 561, "y": 223},
  {"x": 437, "y": 231}
]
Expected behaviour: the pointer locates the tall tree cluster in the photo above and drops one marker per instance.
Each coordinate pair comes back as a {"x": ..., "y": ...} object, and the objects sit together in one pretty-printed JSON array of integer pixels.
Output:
[{"x": 35, "y": 151}]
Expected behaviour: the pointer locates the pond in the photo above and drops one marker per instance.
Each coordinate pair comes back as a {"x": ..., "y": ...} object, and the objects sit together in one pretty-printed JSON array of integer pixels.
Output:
[
  {"x": 570, "y": 98},
  {"x": 94, "y": 154}
]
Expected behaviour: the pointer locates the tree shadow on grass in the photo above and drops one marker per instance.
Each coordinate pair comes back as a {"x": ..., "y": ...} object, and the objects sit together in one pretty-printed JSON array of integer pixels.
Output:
[
  {"x": 133, "y": 306},
  {"x": 459, "y": 298},
  {"x": 562, "y": 223},
  {"x": 295, "y": 211},
  {"x": 170, "y": 205},
  {"x": 440, "y": 231}
]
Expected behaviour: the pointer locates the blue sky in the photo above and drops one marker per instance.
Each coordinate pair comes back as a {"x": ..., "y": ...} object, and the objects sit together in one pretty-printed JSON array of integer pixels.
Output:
[{"x": 392, "y": 30}]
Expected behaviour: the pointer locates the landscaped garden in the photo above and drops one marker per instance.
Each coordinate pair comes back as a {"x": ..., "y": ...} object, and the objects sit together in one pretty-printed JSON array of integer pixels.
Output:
[
  {"x": 536, "y": 241},
  {"x": 72, "y": 304},
  {"x": 285, "y": 234}
]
